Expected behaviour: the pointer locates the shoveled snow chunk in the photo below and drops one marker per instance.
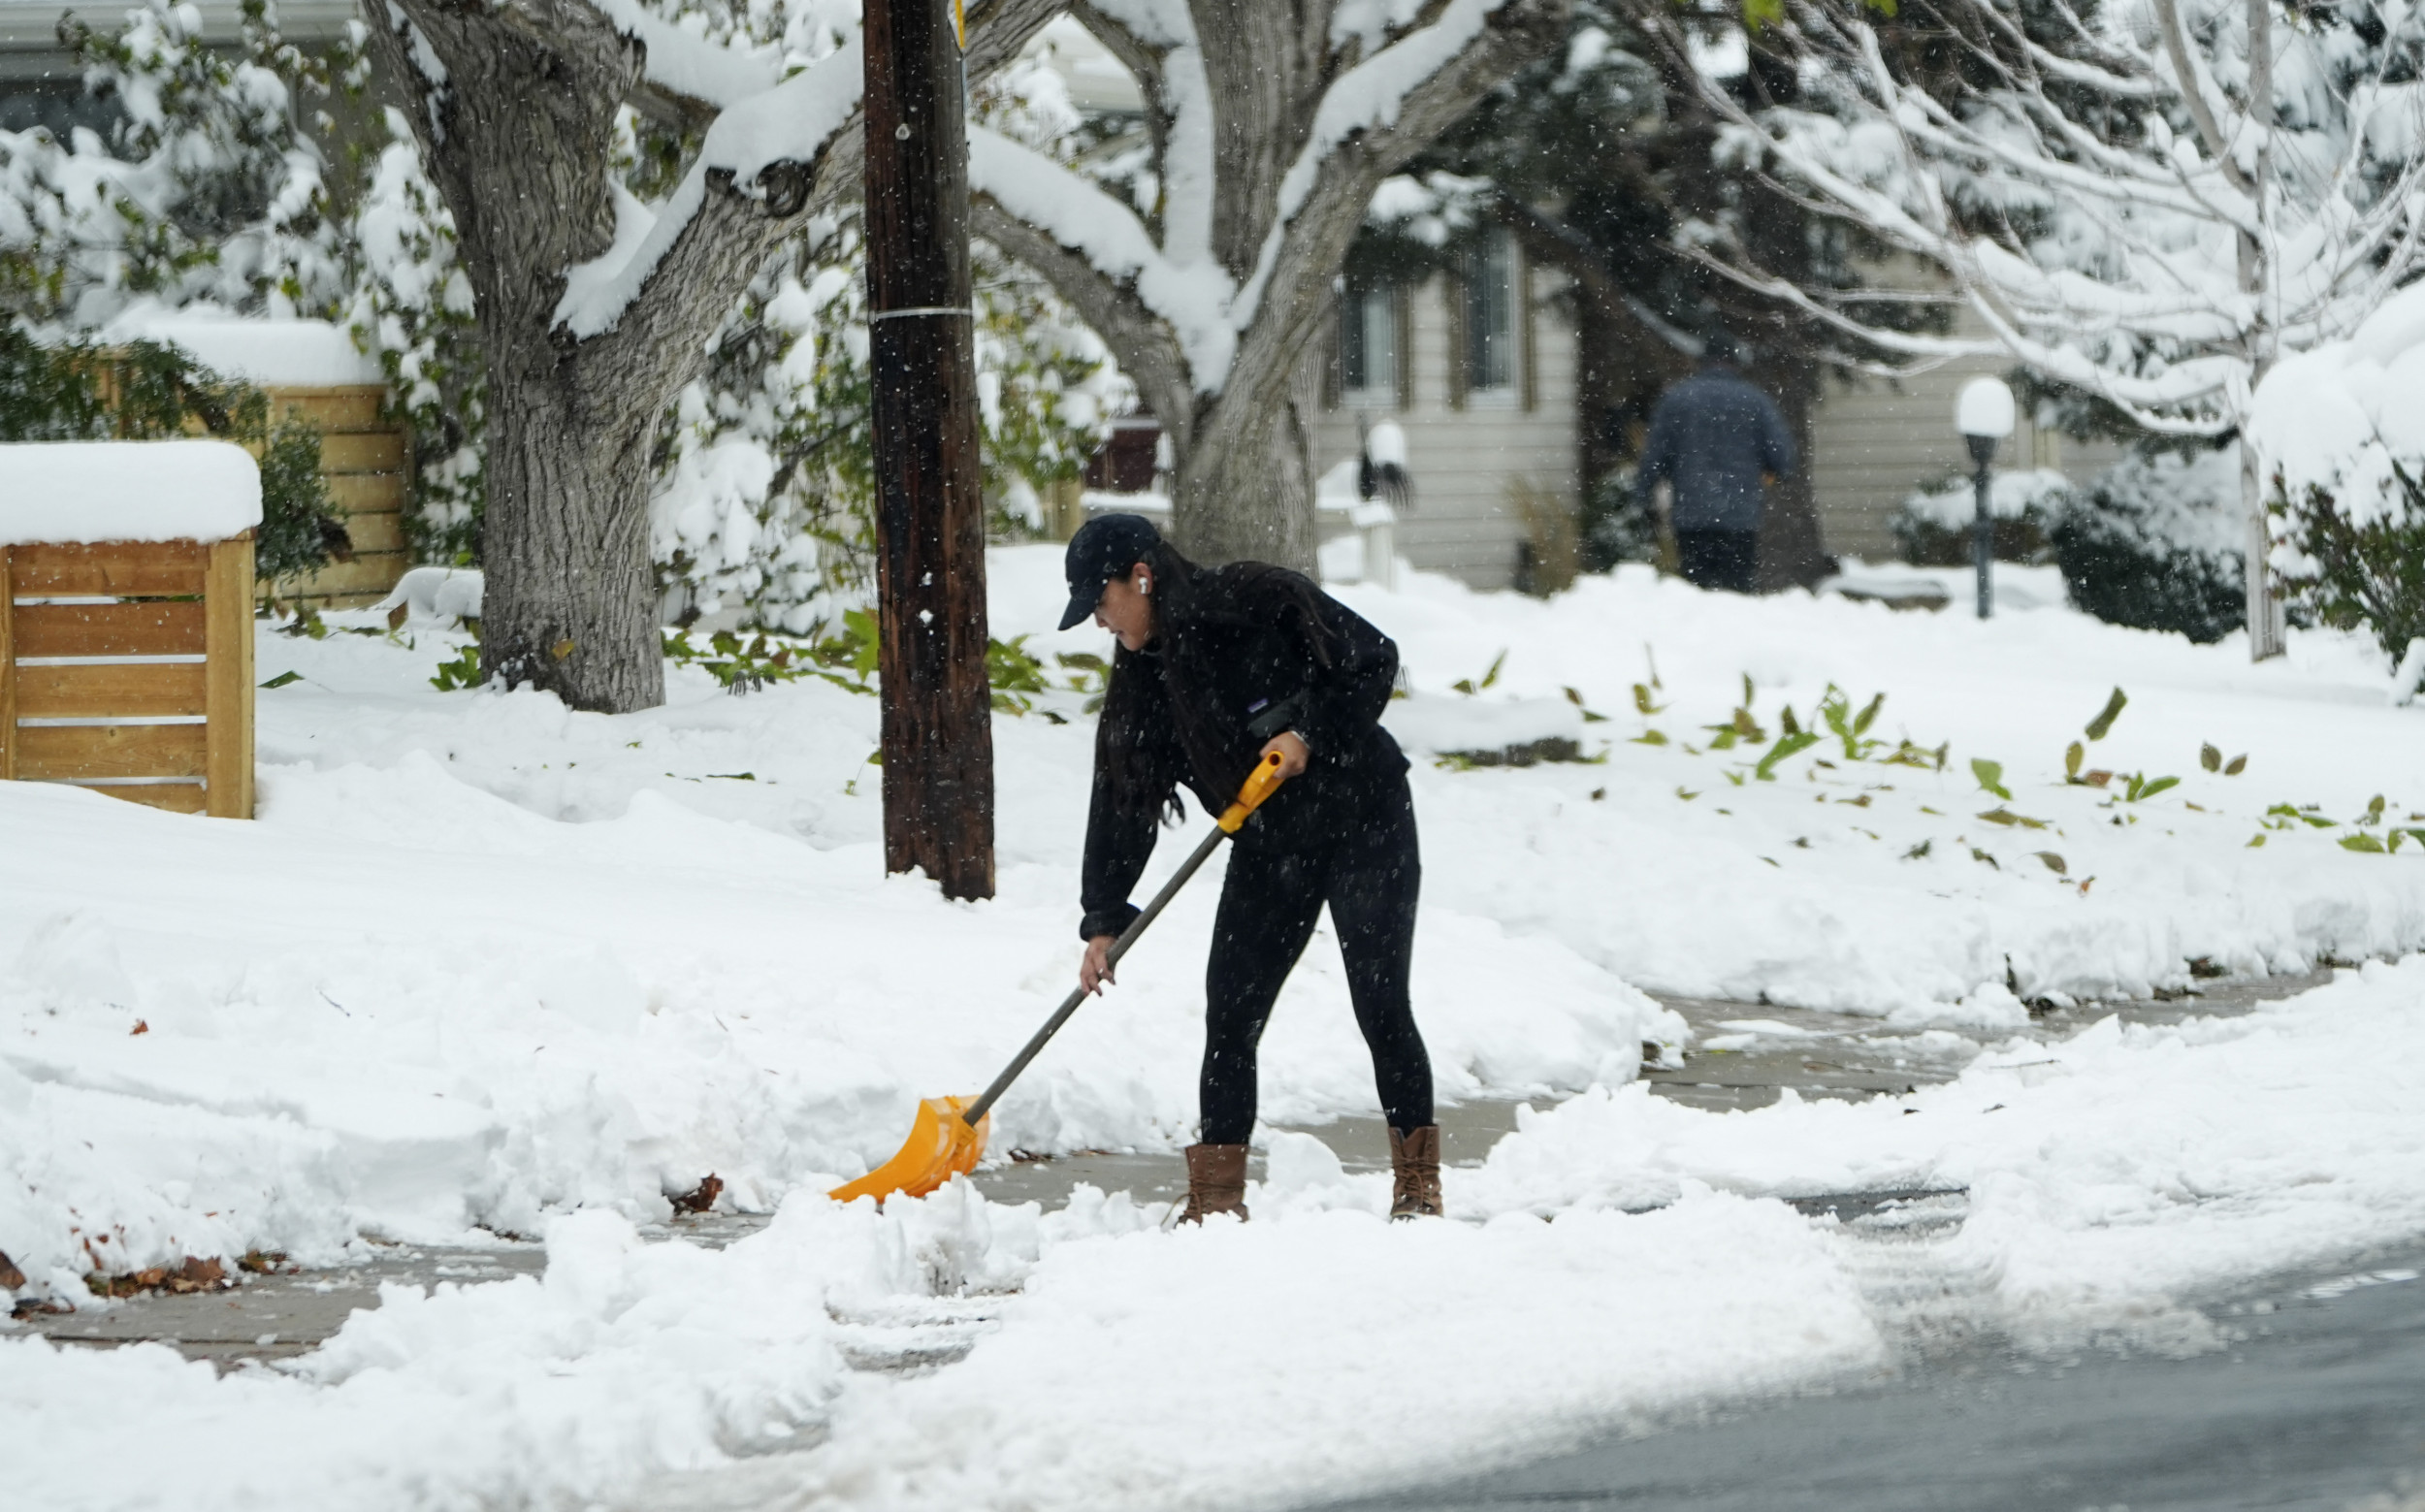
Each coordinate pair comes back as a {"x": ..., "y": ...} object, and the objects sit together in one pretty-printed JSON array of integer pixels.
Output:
[{"x": 126, "y": 490}]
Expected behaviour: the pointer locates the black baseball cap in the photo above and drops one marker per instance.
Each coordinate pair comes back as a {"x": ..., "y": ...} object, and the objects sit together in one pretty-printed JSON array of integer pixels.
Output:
[{"x": 1104, "y": 548}]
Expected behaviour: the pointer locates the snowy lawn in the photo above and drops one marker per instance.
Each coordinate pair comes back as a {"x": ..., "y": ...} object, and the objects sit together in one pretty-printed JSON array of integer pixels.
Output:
[{"x": 485, "y": 966}]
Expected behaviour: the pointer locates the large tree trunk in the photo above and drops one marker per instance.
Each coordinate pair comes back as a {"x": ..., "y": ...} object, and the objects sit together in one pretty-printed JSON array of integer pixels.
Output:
[
  {"x": 569, "y": 605},
  {"x": 1244, "y": 491}
]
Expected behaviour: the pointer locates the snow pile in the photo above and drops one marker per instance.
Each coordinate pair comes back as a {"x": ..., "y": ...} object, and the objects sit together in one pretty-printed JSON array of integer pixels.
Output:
[
  {"x": 1620, "y": 1256},
  {"x": 2106, "y": 1174},
  {"x": 2338, "y": 418},
  {"x": 127, "y": 491}
]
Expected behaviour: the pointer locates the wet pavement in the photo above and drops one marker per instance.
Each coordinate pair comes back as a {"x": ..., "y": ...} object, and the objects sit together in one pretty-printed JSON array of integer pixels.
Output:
[
  {"x": 1743, "y": 1056},
  {"x": 2313, "y": 1396}
]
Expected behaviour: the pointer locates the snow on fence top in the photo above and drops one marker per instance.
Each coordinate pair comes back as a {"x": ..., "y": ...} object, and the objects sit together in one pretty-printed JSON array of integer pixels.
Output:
[
  {"x": 2340, "y": 413},
  {"x": 301, "y": 354},
  {"x": 64, "y": 491}
]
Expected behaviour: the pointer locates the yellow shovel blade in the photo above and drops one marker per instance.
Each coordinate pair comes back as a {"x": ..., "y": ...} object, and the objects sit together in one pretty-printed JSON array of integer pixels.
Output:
[{"x": 940, "y": 1146}]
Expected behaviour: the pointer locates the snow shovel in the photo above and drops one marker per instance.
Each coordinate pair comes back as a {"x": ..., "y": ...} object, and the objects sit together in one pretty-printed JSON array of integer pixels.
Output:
[{"x": 947, "y": 1135}]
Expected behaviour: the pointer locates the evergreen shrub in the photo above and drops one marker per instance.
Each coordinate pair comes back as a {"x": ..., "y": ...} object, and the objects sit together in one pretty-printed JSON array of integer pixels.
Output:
[{"x": 2155, "y": 544}]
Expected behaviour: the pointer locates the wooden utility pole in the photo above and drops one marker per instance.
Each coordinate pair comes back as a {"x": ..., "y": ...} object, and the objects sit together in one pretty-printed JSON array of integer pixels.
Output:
[{"x": 930, "y": 529}]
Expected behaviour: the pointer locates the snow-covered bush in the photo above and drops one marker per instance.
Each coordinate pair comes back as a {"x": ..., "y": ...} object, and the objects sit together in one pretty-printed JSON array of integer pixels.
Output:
[
  {"x": 411, "y": 307},
  {"x": 2156, "y": 542},
  {"x": 209, "y": 188},
  {"x": 2342, "y": 431},
  {"x": 1932, "y": 525},
  {"x": 1617, "y": 526}
]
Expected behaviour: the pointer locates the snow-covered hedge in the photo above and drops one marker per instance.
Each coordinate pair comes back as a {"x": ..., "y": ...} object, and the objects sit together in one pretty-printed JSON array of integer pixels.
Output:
[
  {"x": 2341, "y": 432},
  {"x": 2157, "y": 543},
  {"x": 1932, "y": 526}
]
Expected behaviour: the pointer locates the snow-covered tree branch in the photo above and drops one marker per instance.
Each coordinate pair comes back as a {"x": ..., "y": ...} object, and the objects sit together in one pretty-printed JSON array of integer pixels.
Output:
[
  {"x": 2150, "y": 201},
  {"x": 1268, "y": 124}
]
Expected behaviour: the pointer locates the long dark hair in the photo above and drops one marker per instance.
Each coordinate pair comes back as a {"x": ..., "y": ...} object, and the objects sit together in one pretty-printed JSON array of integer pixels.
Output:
[{"x": 1161, "y": 721}]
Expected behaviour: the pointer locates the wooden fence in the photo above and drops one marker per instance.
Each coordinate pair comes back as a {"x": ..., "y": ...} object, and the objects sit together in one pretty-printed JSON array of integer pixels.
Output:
[
  {"x": 128, "y": 667},
  {"x": 364, "y": 458}
]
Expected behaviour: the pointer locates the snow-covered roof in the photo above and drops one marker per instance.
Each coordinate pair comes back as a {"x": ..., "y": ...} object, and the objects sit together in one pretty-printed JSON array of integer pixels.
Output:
[
  {"x": 126, "y": 490},
  {"x": 307, "y": 354}
]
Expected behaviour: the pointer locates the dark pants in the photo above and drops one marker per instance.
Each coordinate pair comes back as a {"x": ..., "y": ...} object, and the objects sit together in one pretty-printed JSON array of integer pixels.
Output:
[
  {"x": 1718, "y": 558},
  {"x": 1369, "y": 874}
]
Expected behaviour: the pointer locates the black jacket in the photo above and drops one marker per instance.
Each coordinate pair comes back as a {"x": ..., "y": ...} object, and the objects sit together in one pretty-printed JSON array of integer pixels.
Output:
[
  {"x": 1713, "y": 434},
  {"x": 1254, "y": 669}
]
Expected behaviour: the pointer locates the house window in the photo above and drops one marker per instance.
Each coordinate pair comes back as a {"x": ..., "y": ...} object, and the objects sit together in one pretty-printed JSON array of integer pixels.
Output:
[
  {"x": 1367, "y": 348},
  {"x": 1490, "y": 319}
]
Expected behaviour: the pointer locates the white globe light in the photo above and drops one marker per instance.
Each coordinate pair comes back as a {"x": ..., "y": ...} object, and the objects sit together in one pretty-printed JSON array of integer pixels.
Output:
[{"x": 1985, "y": 408}]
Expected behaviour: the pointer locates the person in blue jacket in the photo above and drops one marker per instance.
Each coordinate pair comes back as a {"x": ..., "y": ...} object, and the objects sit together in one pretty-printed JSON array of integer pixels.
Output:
[
  {"x": 1216, "y": 667},
  {"x": 1718, "y": 440}
]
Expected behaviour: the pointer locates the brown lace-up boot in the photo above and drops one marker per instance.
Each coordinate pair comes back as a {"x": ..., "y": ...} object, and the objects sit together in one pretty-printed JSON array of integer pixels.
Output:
[
  {"x": 1415, "y": 1160},
  {"x": 1216, "y": 1182}
]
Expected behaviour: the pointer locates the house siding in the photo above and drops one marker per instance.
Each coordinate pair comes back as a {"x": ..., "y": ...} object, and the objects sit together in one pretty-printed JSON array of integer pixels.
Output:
[
  {"x": 1466, "y": 450},
  {"x": 1874, "y": 441}
]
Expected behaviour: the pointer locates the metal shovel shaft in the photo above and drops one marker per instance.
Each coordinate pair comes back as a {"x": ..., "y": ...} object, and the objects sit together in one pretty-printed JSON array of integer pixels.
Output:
[{"x": 1137, "y": 927}]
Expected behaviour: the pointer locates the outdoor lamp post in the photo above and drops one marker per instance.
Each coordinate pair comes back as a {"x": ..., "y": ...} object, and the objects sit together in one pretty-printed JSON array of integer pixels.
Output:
[{"x": 1984, "y": 414}]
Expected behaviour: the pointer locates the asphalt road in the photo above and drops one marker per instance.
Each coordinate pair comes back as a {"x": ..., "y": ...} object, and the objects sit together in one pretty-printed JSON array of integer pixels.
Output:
[{"x": 2316, "y": 1401}]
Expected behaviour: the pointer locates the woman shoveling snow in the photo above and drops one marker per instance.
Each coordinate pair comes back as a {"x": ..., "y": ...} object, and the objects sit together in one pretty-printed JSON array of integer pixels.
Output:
[{"x": 1217, "y": 669}]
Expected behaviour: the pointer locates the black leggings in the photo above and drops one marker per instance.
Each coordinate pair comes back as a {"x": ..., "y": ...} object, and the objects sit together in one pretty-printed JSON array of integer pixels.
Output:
[{"x": 1369, "y": 878}]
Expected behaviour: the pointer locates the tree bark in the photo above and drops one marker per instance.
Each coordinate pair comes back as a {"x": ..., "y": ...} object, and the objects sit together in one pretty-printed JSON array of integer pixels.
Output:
[{"x": 931, "y": 541}]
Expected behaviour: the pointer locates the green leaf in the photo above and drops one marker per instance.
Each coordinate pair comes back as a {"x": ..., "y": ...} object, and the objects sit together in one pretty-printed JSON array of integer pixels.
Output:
[
  {"x": 2236, "y": 765},
  {"x": 1492, "y": 676},
  {"x": 283, "y": 679},
  {"x": 1786, "y": 722},
  {"x": 1464, "y": 685},
  {"x": 2103, "y": 725},
  {"x": 1991, "y": 775},
  {"x": 1787, "y": 745},
  {"x": 1919, "y": 851},
  {"x": 2073, "y": 755},
  {"x": 2148, "y": 788},
  {"x": 1868, "y": 716},
  {"x": 2366, "y": 843},
  {"x": 1641, "y": 699},
  {"x": 1650, "y": 737},
  {"x": 2054, "y": 863},
  {"x": 2210, "y": 759},
  {"x": 2008, "y": 816}
]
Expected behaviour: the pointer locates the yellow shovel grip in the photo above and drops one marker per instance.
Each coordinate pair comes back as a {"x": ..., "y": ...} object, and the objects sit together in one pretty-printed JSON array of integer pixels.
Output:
[{"x": 1261, "y": 784}]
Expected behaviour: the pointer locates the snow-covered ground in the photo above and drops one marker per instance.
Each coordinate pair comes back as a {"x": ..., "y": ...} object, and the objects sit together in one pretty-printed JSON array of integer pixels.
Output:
[{"x": 486, "y": 966}]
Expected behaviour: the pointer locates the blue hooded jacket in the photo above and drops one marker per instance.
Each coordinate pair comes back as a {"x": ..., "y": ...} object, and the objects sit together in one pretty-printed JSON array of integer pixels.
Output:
[{"x": 1713, "y": 434}]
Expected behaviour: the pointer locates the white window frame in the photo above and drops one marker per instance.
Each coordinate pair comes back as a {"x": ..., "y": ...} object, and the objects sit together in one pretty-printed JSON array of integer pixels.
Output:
[
  {"x": 1493, "y": 268},
  {"x": 1378, "y": 391}
]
